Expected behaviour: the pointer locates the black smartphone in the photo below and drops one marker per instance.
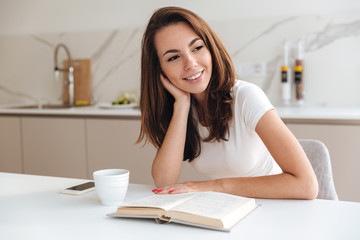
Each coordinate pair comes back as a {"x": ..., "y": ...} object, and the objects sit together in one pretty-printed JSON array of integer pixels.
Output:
[{"x": 80, "y": 189}]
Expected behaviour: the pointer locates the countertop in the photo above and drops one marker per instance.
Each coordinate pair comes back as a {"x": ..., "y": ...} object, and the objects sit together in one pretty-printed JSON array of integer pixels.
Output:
[
  {"x": 81, "y": 111},
  {"x": 344, "y": 115},
  {"x": 321, "y": 115}
]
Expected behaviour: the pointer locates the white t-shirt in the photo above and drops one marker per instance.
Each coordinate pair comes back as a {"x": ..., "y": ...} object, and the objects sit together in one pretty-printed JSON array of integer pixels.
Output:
[{"x": 244, "y": 154}]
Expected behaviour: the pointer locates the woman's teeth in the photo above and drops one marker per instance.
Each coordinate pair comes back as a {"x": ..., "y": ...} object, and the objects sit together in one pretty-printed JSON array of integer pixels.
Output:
[{"x": 194, "y": 77}]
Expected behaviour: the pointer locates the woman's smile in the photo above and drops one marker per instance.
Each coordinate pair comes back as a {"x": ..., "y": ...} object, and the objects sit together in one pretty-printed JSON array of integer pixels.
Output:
[{"x": 195, "y": 77}]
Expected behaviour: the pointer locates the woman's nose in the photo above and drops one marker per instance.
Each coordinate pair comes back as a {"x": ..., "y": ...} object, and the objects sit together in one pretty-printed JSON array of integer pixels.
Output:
[{"x": 189, "y": 62}]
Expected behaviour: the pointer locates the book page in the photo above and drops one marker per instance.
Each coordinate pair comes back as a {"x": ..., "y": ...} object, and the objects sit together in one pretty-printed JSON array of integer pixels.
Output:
[
  {"x": 212, "y": 204},
  {"x": 164, "y": 201}
]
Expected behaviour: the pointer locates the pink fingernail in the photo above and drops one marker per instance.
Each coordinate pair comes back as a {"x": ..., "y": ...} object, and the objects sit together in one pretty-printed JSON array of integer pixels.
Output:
[
  {"x": 154, "y": 190},
  {"x": 171, "y": 191}
]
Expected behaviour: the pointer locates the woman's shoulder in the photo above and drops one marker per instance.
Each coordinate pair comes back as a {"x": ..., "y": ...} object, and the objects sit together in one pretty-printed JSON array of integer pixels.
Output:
[{"x": 250, "y": 102}]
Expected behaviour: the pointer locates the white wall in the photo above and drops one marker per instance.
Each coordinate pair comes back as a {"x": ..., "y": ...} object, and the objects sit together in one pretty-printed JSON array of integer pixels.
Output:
[
  {"x": 109, "y": 33},
  {"x": 51, "y": 16}
]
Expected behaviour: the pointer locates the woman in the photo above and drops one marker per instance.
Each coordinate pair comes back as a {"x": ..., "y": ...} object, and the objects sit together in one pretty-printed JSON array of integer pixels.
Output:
[{"x": 194, "y": 110}]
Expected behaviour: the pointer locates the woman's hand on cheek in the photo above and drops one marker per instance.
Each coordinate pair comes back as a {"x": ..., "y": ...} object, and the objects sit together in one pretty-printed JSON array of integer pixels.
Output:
[
  {"x": 176, "y": 92},
  {"x": 185, "y": 187}
]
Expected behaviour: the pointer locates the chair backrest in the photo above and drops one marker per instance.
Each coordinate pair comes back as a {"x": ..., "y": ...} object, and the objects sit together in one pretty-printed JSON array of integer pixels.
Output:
[{"x": 319, "y": 157}]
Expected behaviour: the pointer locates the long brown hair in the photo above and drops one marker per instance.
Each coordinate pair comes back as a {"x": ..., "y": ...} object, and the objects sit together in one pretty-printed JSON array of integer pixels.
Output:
[{"x": 156, "y": 103}]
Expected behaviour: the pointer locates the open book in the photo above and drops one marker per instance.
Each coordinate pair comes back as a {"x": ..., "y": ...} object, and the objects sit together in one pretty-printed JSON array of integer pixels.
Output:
[{"x": 213, "y": 210}]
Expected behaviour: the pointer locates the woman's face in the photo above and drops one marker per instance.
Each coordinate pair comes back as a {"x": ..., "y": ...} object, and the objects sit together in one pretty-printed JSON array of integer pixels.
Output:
[{"x": 184, "y": 58}]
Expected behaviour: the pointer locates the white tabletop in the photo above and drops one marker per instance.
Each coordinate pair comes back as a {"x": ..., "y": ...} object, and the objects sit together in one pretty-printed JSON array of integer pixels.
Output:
[{"x": 31, "y": 207}]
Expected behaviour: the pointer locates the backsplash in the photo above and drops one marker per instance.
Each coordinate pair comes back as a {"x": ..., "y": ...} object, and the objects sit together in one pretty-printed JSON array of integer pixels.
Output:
[{"x": 331, "y": 63}]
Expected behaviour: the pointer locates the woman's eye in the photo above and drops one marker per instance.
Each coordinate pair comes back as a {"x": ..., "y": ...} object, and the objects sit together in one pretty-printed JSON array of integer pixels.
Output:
[
  {"x": 198, "y": 48},
  {"x": 173, "y": 58}
]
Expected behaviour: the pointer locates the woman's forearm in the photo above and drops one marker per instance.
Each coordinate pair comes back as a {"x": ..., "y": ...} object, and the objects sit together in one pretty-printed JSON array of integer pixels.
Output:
[
  {"x": 282, "y": 185},
  {"x": 167, "y": 164}
]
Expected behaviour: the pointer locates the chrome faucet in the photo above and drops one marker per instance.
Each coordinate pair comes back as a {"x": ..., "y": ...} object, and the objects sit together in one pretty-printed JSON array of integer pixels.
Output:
[{"x": 70, "y": 70}]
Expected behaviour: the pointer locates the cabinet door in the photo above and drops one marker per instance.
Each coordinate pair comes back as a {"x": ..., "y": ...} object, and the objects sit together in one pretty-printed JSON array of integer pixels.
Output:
[
  {"x": 343, "y": 144},
  {"x": 111, "y": 144},
  {"x": 10, "y": 145},
  {"x": 54, "y": 146}
]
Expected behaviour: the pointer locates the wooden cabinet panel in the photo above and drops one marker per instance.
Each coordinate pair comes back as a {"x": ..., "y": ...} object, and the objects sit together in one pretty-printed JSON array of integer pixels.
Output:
[
  {"x": 343, "y": 144},
  {"x": 111, "y": 144},
  {"x": 54, "y": 146},
  {"x": 10, "y": 145},
  {"x": 75, "y": 147}
]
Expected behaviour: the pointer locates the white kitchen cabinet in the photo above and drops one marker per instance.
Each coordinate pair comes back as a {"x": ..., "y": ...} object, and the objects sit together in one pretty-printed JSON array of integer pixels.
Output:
[
  {"x": 10, "y": 144},
  {"x": 54, "y": 146},
  {"x": 343, "y": 144}
]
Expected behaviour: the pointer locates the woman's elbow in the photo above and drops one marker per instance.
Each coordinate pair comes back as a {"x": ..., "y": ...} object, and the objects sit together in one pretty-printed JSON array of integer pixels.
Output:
[
  {"x": 311, "y": 188},
  {"x": 162, "y": 180}
]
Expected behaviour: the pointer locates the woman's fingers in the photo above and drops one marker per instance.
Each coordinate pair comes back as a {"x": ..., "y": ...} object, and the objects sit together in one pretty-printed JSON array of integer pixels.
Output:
[
  {"x": 169, "y": 86},
  {"x": 176, "y": 92},
  {"x": 176, "y": 188}
]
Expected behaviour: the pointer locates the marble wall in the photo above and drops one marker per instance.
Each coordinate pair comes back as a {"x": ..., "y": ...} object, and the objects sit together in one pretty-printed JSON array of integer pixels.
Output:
[{"x": 331, "y": 75}]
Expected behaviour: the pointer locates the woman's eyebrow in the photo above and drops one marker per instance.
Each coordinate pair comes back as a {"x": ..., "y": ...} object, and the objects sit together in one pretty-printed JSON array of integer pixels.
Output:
[
  {"x": 193, "y": 41},
  {"x": 190, "y": 44}
]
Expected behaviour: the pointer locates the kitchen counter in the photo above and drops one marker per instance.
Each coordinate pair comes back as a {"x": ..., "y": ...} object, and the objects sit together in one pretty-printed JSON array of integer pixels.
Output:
[
  {"x": 321, "y": 115},
  {"x": 82, "y": 111},
  {"x": 288, "y": 114}
]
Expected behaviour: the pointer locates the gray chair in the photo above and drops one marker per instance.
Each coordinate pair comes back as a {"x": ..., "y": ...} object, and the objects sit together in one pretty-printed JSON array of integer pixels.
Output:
[{"x": 319, "y": 157}]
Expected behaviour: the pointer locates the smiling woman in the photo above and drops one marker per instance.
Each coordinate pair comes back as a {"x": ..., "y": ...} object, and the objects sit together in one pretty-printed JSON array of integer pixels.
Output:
[
  {"x": 190, "y": 44},
  {"x": 193, "y": 109}
]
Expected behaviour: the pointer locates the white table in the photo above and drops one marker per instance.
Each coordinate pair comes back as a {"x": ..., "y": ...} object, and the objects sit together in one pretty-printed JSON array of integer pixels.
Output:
[{"x": 31, "y": 207}]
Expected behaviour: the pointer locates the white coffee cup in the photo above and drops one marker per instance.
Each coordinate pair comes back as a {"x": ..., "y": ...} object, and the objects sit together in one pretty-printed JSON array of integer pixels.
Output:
[{"x": 111, "y": 185}]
